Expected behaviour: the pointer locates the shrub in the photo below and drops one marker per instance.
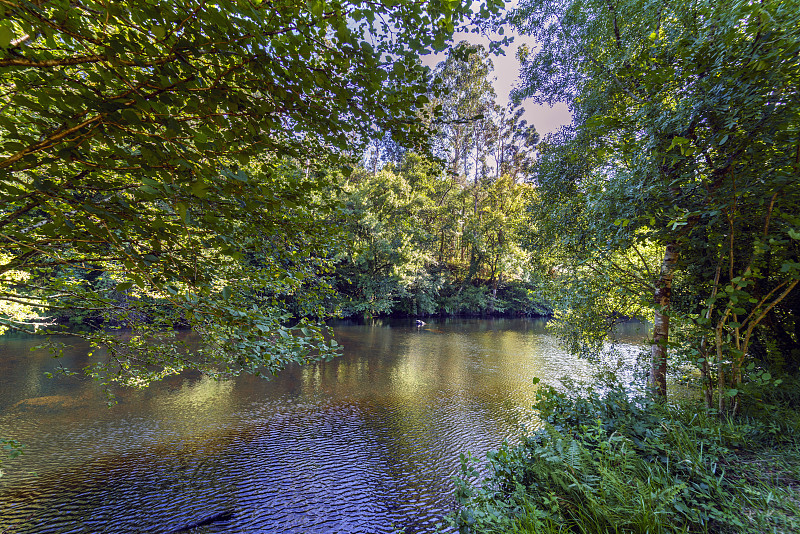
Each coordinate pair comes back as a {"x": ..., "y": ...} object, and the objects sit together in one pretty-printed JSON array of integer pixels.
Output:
[{"x": 622, "y": 463}]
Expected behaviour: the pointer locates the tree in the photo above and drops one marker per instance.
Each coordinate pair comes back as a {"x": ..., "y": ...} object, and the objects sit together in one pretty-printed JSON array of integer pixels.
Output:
[
  {"x": 465, "y": 97},
  {"x": 694, "y": 146},
  {"x": 388, "y": 242},
  {"x": 155, "y": 163},
  {"x": 514, "y": 143}
]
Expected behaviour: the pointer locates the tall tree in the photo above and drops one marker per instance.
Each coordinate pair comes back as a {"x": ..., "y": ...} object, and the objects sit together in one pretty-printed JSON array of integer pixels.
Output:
[
  {"x": 465, "y": 100},
  {"x": 695, "y": 146},
  {"x": 514, "y": 143}
]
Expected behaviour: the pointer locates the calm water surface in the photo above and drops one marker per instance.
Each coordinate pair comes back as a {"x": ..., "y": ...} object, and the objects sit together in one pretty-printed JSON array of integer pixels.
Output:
[{"x": 366, "y": 443}]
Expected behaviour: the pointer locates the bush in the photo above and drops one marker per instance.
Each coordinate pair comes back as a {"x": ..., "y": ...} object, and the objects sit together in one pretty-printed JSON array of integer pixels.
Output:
[
  {"x": 522, "y": 298},
  {"x": 622, "y": 463}
]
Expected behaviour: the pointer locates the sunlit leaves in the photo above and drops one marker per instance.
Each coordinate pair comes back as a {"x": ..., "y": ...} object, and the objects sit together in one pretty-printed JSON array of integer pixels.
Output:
[
  {"x": 147, "y": 148},
  {"x": 687, "y": 122}
]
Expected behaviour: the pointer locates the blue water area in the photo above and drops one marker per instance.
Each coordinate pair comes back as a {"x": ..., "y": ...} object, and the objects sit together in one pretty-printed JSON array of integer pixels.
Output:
[{"x": 366, "y": 443}]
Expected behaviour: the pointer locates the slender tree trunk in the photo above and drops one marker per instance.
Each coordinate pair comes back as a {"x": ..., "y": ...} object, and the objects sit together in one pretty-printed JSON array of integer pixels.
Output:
[
  {"x": 705, "y": 368},
  {"x": 663, "y": 299},
  {"x": 721, "y": 387},
  {"x": 705, "y": 374}
]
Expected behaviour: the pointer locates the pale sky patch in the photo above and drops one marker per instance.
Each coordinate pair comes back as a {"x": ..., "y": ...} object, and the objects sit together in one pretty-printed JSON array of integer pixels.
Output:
[{"x": 546, "y": 119}]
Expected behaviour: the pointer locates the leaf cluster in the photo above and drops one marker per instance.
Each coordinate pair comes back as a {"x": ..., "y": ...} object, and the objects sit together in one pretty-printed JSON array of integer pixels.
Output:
[{"x": 682, "y": 140}]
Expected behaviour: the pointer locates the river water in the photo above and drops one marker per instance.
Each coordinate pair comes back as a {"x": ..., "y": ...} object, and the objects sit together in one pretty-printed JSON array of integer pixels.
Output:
[{"x": 368, "y": 442}]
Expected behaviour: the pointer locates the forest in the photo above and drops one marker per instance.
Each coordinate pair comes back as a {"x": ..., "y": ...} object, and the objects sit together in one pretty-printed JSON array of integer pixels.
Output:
[{"x": 249, "y": 169}]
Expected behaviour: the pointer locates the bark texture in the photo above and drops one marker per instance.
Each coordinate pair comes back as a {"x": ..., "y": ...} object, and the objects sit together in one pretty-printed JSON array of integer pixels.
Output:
[{"x": 663, "y": 299}]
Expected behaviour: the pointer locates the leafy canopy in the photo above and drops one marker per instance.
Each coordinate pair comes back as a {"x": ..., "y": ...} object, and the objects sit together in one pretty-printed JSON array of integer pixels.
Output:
[
  {"x": 156, "y": 156},
  {"x": 686, "y": 122}
]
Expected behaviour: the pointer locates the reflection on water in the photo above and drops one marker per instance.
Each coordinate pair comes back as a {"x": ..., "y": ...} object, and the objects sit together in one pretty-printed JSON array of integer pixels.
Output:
[{"x": 365, "y": 443}]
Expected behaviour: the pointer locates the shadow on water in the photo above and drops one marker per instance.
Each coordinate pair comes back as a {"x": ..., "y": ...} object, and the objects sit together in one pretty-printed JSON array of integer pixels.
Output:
[{"x": 365, "y": 443}]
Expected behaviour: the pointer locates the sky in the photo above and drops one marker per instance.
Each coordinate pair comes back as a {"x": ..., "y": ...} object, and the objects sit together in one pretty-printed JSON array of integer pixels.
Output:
[{"x": 506, "y": 73}]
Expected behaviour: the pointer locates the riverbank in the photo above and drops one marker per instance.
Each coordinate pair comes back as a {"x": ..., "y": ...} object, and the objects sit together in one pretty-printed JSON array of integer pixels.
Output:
[
  {"x": 614, "y": 464},
  {"x": 514, "y": 298}
]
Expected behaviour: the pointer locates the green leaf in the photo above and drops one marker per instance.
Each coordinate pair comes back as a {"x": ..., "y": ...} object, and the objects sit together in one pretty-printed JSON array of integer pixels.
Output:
[
  {"x": 317, "y": 8},
  {"x": 200, "y": 189},
  {"x": 6, "y": 35},
  {"x": 123, "y": 286},
  {"x": 182, "y": 209},
  {"x": 679, "y": 142}
]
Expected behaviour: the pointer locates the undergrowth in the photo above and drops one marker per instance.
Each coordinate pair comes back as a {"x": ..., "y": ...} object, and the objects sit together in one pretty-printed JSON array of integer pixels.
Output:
[{"x": 624, "y": 464}]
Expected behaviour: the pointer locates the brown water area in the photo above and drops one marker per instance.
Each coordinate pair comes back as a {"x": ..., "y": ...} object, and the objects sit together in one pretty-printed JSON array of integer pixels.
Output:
[{"x": 366, "y": 443}]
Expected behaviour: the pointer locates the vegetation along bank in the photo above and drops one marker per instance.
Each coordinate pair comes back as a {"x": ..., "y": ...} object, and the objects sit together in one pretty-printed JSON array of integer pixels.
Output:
[{"x": 248, "y": 169}]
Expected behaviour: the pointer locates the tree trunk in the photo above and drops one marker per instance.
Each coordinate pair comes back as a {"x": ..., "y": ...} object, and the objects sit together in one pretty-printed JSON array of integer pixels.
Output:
[
  {"x": 705, "y": 368},
  {"x": 663, "y": 298},
  {"x": 705, "y": 374}
]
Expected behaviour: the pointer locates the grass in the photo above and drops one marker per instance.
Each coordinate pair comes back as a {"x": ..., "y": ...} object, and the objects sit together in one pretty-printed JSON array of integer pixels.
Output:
[
  {"x": 769, "y": 483},
  {"x": 616, "y": 463}
]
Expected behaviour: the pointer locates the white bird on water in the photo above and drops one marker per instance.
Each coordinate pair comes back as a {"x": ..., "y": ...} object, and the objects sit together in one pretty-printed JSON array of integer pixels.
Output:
[{"x": 420, "y": 323}]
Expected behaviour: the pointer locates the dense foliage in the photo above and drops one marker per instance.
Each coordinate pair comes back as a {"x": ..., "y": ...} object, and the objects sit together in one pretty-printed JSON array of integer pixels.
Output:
[
  {"x": 156, "y": 159},
  {"x": 685, "y": 147},
  {"x": 617, "y": 463},
  {"x": 419, "y": 242}
]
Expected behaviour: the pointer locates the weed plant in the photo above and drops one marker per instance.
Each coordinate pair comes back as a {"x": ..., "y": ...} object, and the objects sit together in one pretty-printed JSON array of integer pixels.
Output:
[{"x": 621, "y": 463}]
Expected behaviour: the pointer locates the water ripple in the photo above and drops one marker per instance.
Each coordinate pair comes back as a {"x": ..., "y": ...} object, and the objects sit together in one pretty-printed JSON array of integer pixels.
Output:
[{"x": 366, "y": 443}]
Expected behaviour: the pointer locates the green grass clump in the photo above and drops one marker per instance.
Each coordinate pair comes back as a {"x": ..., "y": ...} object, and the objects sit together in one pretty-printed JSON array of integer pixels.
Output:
[{"x": 617, "y": 463}]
